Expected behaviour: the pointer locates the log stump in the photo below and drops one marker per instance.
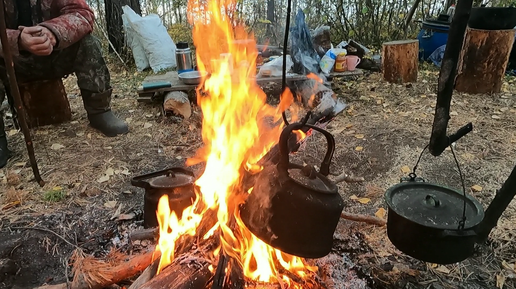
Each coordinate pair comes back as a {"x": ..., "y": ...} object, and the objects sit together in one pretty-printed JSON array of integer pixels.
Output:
[
  {"x": 483, "y": 60},
  {"x": 45, "y": 102},
  {"x": 400, "y": 61}
]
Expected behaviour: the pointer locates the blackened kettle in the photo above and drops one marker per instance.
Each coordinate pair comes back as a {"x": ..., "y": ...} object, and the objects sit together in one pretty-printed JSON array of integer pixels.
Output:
[{"x": 294, "y": 208}]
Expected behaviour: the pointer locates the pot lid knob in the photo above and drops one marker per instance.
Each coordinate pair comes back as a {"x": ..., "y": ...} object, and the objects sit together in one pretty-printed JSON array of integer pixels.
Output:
[{"x": 432, "y": 201}]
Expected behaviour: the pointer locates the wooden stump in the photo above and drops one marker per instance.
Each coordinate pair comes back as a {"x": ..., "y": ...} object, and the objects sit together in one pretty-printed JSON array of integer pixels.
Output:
[
  {"x": 45, "y": 102},
  {"x": 400, "y": 61},
  {"x": 483, "y": 60}
]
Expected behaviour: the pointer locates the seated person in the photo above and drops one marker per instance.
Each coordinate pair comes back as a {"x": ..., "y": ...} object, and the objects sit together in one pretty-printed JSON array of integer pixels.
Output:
[{"x": 52, "y": 39}]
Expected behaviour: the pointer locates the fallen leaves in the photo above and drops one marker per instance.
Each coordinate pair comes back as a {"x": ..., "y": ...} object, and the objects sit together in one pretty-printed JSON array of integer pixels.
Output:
[
  {"x": 381, "y": 213},
  {"x": 110, "y": 204},
  {"x": 360, "y": 200},
  {"x": 476, "y": 188},
  {"x": 56, "y": 146},
  {"x": 405, "y": 169}
]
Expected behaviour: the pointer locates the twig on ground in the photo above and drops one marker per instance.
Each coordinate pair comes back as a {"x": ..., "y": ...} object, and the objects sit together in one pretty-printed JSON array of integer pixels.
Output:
[
  {"x": 144, "y": 234},
  {"x": 347, "y": 178},
  {"x": 48, "y": 231},
  {"x": 363, "y": 218}
]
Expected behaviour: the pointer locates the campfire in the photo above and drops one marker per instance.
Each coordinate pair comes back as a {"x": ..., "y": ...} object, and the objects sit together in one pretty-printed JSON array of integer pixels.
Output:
[{"x": 238, "y": 129}]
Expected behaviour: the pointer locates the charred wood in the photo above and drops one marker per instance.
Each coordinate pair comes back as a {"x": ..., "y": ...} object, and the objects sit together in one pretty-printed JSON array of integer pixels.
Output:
[{"x": 185, "y": 272}]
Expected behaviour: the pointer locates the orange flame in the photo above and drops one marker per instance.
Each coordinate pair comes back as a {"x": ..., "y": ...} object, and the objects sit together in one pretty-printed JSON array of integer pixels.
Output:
[{"x": 238, "y": 129}]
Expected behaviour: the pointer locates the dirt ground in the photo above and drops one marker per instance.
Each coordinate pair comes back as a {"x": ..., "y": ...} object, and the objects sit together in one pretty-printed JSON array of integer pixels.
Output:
[{"x": 383, "y": 130}]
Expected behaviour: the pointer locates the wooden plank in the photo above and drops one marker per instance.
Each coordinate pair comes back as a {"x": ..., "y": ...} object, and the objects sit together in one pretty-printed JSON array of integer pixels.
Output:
[
  {"x": 355, "y": 72},
  {"x": 178, "y": 85}
]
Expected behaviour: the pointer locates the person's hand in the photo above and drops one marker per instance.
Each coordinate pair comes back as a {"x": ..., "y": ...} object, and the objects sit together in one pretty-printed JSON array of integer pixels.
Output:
[{"x": 37, "y": 40}]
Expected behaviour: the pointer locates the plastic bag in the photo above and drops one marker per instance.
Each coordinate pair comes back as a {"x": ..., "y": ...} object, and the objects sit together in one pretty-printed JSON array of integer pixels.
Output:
[
  {"x": 159, "y": 48},
  {"x": 304, "y": 56},
  {"x": 274, "y": 67},
  {"x": 132, "y": 40},
  {"x": 437, "y": 56}
]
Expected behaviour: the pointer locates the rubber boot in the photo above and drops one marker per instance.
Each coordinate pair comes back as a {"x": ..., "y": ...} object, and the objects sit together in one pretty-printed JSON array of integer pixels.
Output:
[
  {"x": 101, "y": 117},
  {"x": 5, "y": 154},
  {"x": 108, "y": 124}
]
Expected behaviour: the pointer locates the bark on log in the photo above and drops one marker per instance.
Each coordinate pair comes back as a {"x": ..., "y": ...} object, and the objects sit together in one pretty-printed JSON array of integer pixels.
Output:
[
  {"x": 45, "y": 102},
  {"x": 177, "y": 102},
  {"x": 483, "y": 60},
  {"x": 400, "y": 61}
]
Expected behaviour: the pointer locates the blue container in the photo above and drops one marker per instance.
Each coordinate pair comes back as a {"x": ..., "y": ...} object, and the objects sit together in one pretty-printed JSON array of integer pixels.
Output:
[{"x": 433, "y": 34}]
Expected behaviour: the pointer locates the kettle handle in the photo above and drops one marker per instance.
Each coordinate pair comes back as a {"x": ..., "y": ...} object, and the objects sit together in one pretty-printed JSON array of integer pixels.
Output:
[{"x": 284, "y": 152}]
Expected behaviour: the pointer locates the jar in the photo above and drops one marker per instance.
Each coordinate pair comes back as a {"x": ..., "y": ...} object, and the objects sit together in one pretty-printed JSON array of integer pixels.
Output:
[{"x": 340, "y": 63}]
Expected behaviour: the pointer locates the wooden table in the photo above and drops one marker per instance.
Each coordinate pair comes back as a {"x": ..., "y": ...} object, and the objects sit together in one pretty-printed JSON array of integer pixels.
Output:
[{"x": 147, "y": 95}]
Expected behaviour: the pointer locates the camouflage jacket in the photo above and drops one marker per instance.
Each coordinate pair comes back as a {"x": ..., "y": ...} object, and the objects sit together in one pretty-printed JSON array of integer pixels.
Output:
[{"x": 69, "y": 20}]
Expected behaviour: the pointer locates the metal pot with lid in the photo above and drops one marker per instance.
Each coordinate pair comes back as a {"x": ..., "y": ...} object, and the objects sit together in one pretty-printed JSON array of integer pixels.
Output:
[
  {"x": 295, "y": 208},
  {"x": 431, "y": 222},
  {"x": 176, "y": 183}
]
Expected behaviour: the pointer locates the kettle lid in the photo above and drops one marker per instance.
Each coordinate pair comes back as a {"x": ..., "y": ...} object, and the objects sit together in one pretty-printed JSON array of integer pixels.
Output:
[{"x": 310, "y": 178}]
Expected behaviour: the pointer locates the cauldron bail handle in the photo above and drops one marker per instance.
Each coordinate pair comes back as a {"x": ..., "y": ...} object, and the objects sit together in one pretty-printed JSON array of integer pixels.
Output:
[
  {"x": 413, "y": 177},
  {"x": 284, "y": 152}
]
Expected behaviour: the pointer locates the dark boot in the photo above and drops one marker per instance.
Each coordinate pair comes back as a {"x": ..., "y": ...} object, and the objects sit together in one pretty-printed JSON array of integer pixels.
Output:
[
  {"x": 5, "y": 154},
  {"x": 108, "y": 124},
  {"x": 101, "y": 117}
]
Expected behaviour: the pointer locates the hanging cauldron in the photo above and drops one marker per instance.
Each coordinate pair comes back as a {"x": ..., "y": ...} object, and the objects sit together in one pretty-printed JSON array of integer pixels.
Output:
[
  {"x": 294, "y": 208},
  {"x": 440, "y": 225},
  {"x": 176, "y": 183},
  {"x": 432, "y": 223}
]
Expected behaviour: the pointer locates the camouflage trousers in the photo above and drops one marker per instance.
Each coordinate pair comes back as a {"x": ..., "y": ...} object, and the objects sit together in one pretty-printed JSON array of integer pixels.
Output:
[{"x": 83, "y": 58}]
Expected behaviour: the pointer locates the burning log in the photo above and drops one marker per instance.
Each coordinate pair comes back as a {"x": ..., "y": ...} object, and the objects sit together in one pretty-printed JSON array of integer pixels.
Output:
[
  {"x": 147, "y": 275},
  {"x": 185, "y": 272},
  {"x": 89, "y": 274}
]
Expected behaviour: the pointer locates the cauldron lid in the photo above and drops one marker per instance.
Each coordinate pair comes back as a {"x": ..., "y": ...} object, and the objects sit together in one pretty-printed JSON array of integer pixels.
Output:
[
  {"x": 165, "y": 179},
  {"x": 432, "y": 205},
  {"x": 172, "y": 180},
  {"x": 309, "y": 177}
]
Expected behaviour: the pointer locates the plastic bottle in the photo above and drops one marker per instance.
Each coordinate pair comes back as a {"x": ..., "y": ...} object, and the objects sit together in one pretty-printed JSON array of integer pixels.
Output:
[{"x": 340, "y": 62}]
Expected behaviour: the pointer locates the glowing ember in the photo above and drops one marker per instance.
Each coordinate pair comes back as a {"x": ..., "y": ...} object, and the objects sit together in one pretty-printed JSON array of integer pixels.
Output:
[{"x": 238, "y": 129}]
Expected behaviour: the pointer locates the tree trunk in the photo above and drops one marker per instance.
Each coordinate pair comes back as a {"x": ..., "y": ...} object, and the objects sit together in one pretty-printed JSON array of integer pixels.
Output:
[
  {"x": 114, "y": 24},
  {"x": 483, "y": 60},
  {"x": 400, "y": 61},
  {"x": 45, "y": 102}
]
